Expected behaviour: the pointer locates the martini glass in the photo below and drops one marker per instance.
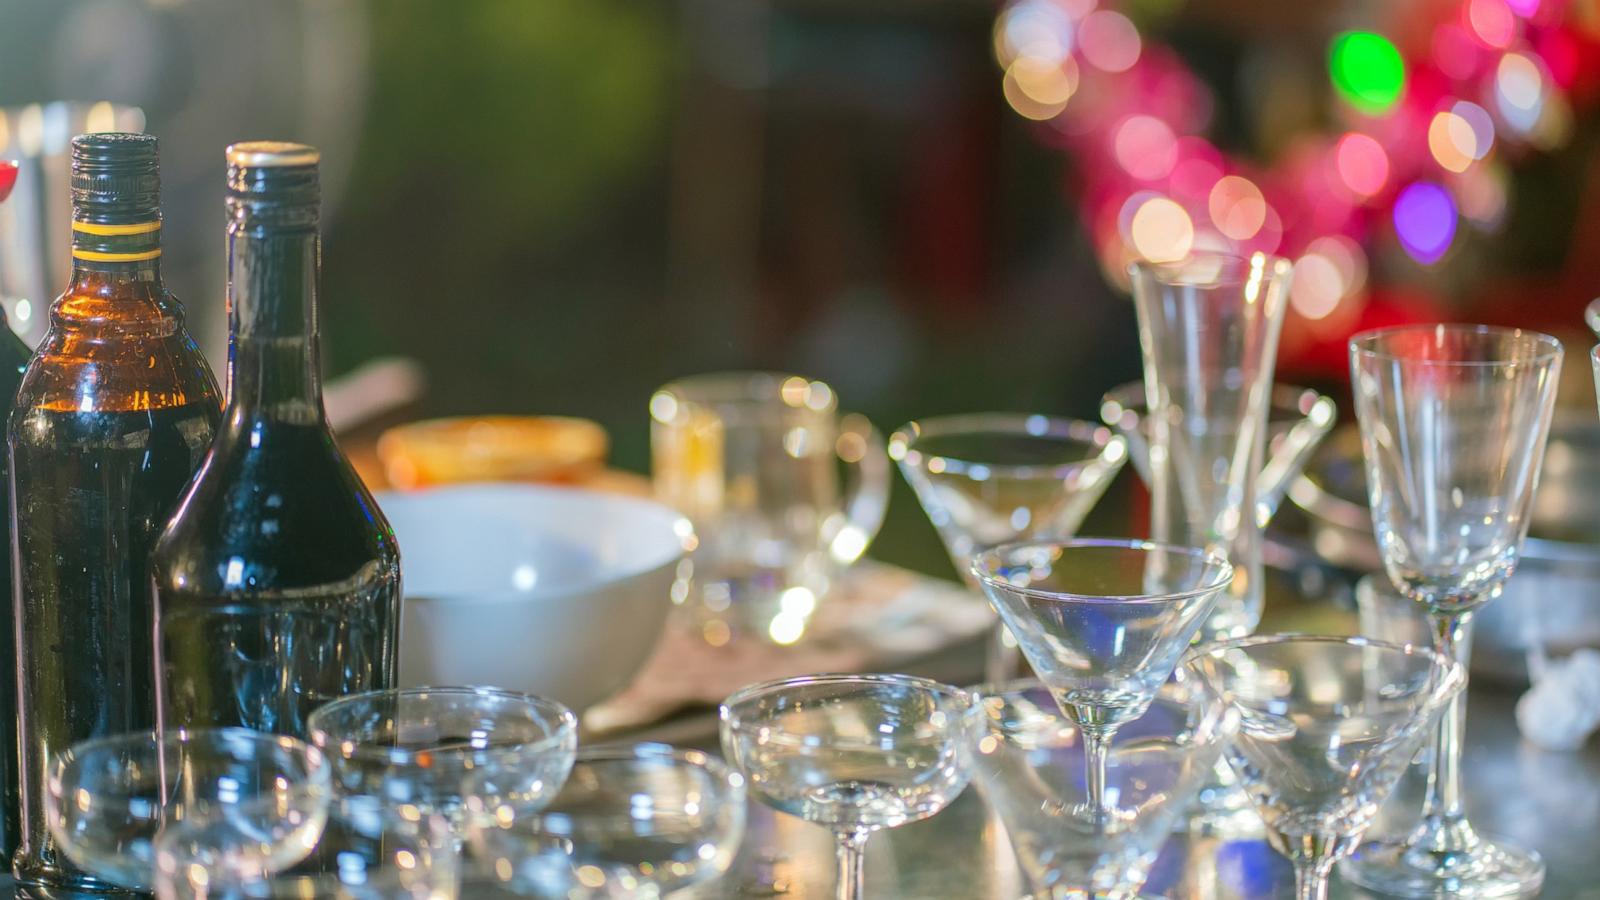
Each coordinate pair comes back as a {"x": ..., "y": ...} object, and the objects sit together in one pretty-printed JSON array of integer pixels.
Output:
[
  {"x": 364, "y": 851},
  {"x": 416, "y": 747},
  {"x": 986, "y": 479},
  {"x": 1297, "y": 421},
  {"x": 631, "y": 822},
  {"x": 1453, "y": 420},
  {"x": 853, "y": 753},
  {"x": 1103, "y": 623},
  {"x": 1030, "y": 769},
  {"x": 1326, "y": 728},
  {"x": 109, "y": 798}
]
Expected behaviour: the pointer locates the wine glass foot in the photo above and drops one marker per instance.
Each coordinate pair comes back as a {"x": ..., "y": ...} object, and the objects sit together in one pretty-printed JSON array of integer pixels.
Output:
[{"x": 1489, "y": 870}]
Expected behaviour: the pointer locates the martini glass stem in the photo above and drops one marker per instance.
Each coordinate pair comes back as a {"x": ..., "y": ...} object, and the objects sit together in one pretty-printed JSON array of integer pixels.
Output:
[
  {"x": 1096, "y": 749},
  {"x": 852, "y": 851},
  {"x": 1311, "y": 880},
  {"x": 1444, "y": 826}
]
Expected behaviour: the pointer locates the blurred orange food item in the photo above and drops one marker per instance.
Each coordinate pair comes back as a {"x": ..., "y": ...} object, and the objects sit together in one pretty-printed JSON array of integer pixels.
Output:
[{"x": 493, "y": 448}]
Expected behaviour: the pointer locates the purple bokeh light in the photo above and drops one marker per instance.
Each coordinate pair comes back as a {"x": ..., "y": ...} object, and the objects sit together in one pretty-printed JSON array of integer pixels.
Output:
[{"x": 1425, "y": 220}]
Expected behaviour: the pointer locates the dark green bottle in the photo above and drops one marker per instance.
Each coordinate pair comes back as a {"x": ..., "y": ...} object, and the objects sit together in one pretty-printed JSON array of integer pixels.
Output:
[
  {"x": 278, "y": 582},
  {"x": 115, "y": 411}
]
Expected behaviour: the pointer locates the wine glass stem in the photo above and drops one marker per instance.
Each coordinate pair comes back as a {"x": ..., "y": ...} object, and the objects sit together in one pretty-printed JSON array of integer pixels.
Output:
[
  {"x": 1310, "y": 881},
  {"x": 852, "y": 881},
  {"x": 1096, "y": 749},
  {"x": 1442, "y": 814}
]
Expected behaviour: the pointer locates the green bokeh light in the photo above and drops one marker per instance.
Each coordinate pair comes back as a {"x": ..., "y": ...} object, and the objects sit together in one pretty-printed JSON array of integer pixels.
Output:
[{"x": 1367, "y": 71}]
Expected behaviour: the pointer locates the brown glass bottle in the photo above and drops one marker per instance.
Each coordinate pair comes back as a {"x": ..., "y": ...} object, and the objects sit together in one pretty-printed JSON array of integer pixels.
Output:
[
  {"x": 278, "y": 582},
  {"x": 114, "y": 414}
]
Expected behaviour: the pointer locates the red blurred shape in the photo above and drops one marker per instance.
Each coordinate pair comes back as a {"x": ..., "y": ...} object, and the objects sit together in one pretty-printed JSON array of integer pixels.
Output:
[{"x": 8, "y": 177}]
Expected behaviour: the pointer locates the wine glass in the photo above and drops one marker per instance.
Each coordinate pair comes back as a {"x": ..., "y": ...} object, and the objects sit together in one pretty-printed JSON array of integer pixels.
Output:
[
  {"x": 853, "y": 753},
  {"x": 1030, "y": 769},
  {"x": 366, "y": 850},
  {"x": 107, "y": 799},
  {"x": 991, "y": 478},
  {"x": 1326, "y": 728},
  {"x": 417, "y": 745},
  {"x": 1453, "y": 421},
  {"x": 1103, "y": 623},
  {"x": 631, "y": 822}
]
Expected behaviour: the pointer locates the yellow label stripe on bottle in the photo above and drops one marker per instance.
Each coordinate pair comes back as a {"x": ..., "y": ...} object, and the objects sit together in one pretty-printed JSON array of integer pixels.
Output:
[
  {"x": 112, "y": 230},
  {"x": 97, "y": 256}
]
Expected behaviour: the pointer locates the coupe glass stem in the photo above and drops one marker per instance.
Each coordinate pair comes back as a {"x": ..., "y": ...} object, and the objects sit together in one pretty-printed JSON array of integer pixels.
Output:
[
  {"x": 1444, "y": 826},
  {"x": 852, "y": 882},
  {"x": 1311, "y": 880}
]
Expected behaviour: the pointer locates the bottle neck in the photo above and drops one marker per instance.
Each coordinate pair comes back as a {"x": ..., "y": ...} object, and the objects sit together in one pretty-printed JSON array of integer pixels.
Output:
[
  {"x": 112, "y": 251},
  {"x": 273, "y": 369}
]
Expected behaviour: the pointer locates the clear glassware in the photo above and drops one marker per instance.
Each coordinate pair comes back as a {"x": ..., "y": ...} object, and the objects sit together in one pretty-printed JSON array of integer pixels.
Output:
[
  {"x": 1103, "y": 623},
  {"x": 1454, "y": 420},
  {"x": 417, "y": 746},
  {"x": 631, "y": 822},
  {"x": 107, "y": 799},
  {"x": 1297, "y": 421},
  {"x": 1030, "y": 770},
  {"x": 365, "y": 850},
  {"x": 753, "y": 458},
  {"x": 1591, "y": 316},
  {"x": 986, "y": 479},
  {"x": 1326, "y": 728},
  {"x": 1208, "y": 329},
  {"x": 853, "y": 753}
]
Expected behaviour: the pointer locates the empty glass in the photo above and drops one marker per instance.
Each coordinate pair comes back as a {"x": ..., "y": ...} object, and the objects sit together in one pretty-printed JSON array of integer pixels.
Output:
[
  {"x": 992, "y": 478},
  {"x": 109, "y": 798},
  {"x": 752, "y": 458},
  {"x": 1454, "y": 420},
  {"x": 1103, "y": 623},
  {"x": 631, "y": 822},
  {"x": 1326, "y": 727},
  {"x": 1030, "y": 768},
  {"x": 853, "y": 753},
  {"x": 416, "y": 746},
  {"x": 365, "y": 851},
  {"x": 1208, "y": 328},
  {"x": 1297, "y": 421}
]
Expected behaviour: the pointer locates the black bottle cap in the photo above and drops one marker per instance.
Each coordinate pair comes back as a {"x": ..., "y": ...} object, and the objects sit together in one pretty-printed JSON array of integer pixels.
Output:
[
  {"x": 273, "y": 183},
  {"x": 116, "y": 178}
]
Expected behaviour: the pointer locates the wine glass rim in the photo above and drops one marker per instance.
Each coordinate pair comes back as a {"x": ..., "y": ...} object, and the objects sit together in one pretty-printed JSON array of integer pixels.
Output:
[
  {"x": 1173, "y": 272},
  {"x": 566, "y": 730},
  {"x": 732, "y": 719},
  {"x": 983, "y": 561},
  {"x": 1099, "y": 440},
  {"x": 1369, "y": 344}
]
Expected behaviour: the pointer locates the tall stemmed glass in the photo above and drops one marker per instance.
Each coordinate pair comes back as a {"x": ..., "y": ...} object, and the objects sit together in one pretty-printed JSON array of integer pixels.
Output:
[
  {"x": 1103, "y": 623},
  {"x": 853, "y": 753},
  {"x": 986, "y": 479},
  {"x": 1453, "y": 425}
]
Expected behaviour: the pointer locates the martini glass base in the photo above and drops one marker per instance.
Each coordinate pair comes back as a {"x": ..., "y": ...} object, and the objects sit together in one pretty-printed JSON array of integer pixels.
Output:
[{"x": 1487, "y": 870}]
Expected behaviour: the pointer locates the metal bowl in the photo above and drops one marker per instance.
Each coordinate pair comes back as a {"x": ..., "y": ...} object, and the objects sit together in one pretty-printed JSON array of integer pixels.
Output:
[{"x": 1551, "y": 605}]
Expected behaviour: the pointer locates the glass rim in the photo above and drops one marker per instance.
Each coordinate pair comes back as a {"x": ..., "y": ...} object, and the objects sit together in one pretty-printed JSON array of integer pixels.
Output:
[
  {"x": 1224, "y": 578},
  {"x": 318, "y": 770},
  {"x": 1194, "y": 698},
  {"x": 1098, "y": 438},
  {"x": 348, "y": 748},
  {"x": 729, "y": 716},
  {"x": 655, "y": 751},
  {"x": 740, "y": 387},
  {"x": 1545, "y": 347},
  {"x": 1238, "y": 267},
  {"x": 1130, "y": 396},
  {"x": 1451, "y": 669}
]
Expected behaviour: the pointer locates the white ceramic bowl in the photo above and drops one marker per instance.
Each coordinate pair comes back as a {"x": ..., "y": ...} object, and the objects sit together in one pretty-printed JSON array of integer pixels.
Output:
[{"x": 560, "y": 592}]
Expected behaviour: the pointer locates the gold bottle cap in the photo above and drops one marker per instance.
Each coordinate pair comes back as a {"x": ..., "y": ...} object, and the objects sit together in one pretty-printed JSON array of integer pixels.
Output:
[{"x": 258, "y": 154}]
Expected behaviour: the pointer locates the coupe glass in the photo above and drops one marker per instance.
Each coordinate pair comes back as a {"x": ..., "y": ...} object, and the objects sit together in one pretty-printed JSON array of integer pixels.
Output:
[
  {"x": 1208, "y": 329},
  {"x": 1103, "y": 623},
  {"x": 365, "y": 851},
  {"x": 1030, "y": 768},
  {"x": 1326, "y": 728},
  {"x": 1453, "y": 426},
  {"x": 1297, "y": 421},
  {"x": 416, "y": 746},
  {"x": 853, "y": 753},
  {"x": 108, "y": 798},
  {"x": 631, "y": 822},
  {"x": 986, "y": 479}
]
